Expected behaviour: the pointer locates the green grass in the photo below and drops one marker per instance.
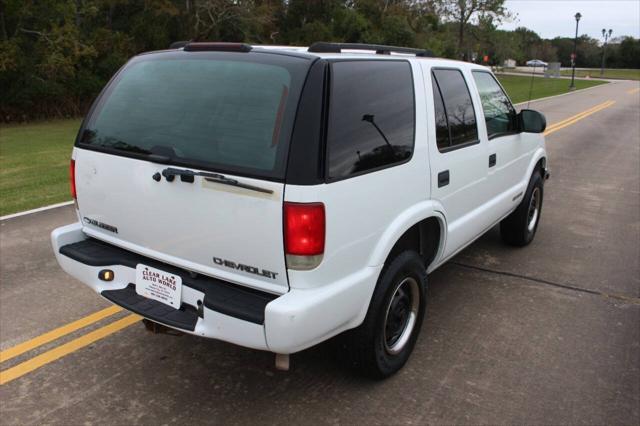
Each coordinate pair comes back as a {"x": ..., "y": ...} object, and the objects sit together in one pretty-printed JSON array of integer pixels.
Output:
[
  {"x": 628, "y": 74},
  {"x": 518, "y": 87},
  {"x": 34, "y": 164}
]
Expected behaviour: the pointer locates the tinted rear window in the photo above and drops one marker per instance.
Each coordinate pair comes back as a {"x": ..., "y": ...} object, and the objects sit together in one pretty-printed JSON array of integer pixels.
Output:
[
  {"x": 228, "y": 112},
  {"x": 371, "y": 116},
  {"x": 461, "y": 116},
  {"x": 442, "y": 126}
]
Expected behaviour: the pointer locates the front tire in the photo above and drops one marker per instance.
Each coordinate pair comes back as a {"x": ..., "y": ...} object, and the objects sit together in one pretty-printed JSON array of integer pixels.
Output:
[
  {"x": 519, "y": 228},
  {"x": 382, "y": 344}
]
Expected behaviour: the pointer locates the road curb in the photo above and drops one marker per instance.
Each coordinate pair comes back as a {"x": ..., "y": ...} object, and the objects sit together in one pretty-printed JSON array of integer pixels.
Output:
[{"x": 39, "y": 209}]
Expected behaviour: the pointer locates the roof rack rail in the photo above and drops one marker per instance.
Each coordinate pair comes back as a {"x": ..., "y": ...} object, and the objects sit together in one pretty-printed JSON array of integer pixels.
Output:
[
  {"x": 380, "y": 49},
  {"x": 179, "y": 44},
  {"x": 217, "y": 46}
]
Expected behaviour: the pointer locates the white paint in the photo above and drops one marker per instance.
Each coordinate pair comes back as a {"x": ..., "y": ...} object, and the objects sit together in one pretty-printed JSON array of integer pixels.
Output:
[
  {"x": 39, "y": 209},
  {"x": 184, "y": 224}
]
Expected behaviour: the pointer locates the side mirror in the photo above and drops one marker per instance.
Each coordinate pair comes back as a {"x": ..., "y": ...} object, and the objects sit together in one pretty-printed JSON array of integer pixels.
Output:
[{"x": 531, "y": 121}]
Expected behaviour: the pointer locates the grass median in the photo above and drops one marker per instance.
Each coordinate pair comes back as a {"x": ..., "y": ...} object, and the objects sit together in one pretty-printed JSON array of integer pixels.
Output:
[
  {"x": 518, "y": 87},
  {"x": 34, "y": 158},
  {"x": 34, "y": 164},
  {"x": 622, "y": 74}
]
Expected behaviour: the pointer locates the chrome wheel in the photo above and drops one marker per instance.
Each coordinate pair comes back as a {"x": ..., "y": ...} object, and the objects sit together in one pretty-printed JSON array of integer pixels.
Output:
[
  {"x": 401, "y": 315},
  {"x": 534, "y": 209}
]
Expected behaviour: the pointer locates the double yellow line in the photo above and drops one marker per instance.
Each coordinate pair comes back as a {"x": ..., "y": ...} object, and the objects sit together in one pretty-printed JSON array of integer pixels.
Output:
[
  {"x": 574, "y": 119},
  {"x": 58, "y": 352}
]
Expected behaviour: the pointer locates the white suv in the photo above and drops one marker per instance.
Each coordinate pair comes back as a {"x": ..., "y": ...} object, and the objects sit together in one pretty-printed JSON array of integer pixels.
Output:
[{"x": 275, "y": 197}]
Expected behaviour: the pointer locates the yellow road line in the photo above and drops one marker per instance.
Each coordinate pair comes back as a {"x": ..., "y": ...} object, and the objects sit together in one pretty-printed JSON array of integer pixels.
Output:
[
  {"x": 573, "y": 117},
  {"x": 632, "y": 91},
  {"x": 57, "y": 333},
  {"x": 58, "y": 352},
  {"x": 577, "y": 117}
]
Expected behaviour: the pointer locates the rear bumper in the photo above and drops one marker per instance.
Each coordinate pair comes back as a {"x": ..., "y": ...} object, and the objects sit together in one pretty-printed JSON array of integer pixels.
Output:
[{"x": 217, "y": 309}]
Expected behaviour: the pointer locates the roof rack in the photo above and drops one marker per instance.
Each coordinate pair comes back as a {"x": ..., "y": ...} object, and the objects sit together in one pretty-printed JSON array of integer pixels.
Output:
[
  {"x": 178, "y": 44},
  {"x": 220, "y": 46},
  {"x": 380, "y": 49}
]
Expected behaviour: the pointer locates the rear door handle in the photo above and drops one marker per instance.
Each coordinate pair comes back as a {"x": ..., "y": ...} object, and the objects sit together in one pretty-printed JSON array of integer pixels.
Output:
[
  {"x": 443, "y": 178},
  {"x": 492, "y": 160}
]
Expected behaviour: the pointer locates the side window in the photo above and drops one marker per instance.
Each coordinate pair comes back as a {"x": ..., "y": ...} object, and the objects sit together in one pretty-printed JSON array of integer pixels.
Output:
[
  {"x": 371, "y": 116},
  {"x": 442, "y": 126},
  {"x": 499, "y": 114},
  {"x": 458, "y": 108}
]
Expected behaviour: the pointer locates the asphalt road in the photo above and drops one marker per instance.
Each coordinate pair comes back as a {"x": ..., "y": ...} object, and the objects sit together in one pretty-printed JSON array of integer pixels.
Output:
[{"x": 545, "y": 334}]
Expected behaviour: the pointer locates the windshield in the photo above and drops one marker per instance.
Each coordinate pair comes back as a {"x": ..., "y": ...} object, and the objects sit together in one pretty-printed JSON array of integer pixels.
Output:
[{"x": 228, "y": 112}]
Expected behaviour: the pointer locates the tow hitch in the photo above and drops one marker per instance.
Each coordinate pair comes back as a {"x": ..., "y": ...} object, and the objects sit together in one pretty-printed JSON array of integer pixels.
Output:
[{"x": 155, "y": 328}]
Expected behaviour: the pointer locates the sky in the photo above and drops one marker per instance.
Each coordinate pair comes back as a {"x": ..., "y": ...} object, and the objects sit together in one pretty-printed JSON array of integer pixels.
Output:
[{"x": 553, "y": 18}]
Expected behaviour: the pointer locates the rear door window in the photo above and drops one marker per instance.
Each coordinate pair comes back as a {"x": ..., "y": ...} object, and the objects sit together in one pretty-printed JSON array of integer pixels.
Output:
[
  {"x": 499, "y": 114},
  {"x": 458, "y": 107},
  {"x": 229, "y": 112},
  {"x": 371, "y": 116}
]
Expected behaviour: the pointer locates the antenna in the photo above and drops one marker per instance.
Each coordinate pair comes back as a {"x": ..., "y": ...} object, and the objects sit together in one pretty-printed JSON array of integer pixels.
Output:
[{"x": 532, "y": 77}]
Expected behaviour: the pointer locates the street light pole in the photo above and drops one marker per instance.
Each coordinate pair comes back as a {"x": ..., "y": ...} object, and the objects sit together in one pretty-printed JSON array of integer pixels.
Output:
[
  {"x": 573, "y": 58},
  {"x": 607, "y": 36}
]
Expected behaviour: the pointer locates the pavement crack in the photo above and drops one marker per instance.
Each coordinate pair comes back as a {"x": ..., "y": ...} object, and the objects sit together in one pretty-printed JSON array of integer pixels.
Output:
[{"x": 628, "y": 299}]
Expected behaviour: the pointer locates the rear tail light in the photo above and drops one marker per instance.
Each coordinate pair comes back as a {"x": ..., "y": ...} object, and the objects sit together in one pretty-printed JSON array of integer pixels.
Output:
[
  {"x": 304, "y": 234},
  {"x": 72, "y": 179}
]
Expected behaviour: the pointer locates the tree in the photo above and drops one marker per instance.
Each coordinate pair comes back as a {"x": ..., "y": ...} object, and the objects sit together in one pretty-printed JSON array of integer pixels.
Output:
[
  {"x": 628, "y": 53},
  {"x": 465, "y": 12}
]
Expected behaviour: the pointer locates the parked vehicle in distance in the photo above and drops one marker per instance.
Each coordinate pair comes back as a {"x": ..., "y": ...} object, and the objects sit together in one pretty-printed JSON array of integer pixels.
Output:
[
  {"x": 536, "y": 63},
  {"x": 276, "y": 197}
]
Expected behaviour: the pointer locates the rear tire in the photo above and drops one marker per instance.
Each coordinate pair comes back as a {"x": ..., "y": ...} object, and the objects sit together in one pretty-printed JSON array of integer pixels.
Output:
[
  {"x": 519, "y": 228},
  {"x": 382, "y": 344}
]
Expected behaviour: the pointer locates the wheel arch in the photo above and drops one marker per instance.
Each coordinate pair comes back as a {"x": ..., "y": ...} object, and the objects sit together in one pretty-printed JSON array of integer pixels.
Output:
[
  {"x": 421, "y": 228},
  {"x": 538, "y": 162}
]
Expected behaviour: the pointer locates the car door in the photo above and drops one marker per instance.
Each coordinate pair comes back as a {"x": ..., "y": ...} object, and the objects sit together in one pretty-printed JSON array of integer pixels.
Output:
[
  {"x": 458, "y": 158},
  {"x": 508, "y": 151}
]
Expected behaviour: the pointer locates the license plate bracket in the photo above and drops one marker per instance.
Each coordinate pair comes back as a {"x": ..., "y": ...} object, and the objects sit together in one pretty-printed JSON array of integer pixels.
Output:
[{"x": 159, "y": 285}]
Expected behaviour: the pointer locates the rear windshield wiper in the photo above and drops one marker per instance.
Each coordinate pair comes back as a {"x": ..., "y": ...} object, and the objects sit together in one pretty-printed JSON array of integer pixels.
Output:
[
  {"x": 188, "y": 176},
  {"x": 123, "y": 146}
]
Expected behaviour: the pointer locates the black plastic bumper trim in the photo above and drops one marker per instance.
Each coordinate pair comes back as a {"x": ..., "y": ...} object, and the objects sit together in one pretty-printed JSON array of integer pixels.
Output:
[
  {"x": 184, "y": 318},
  {"x": 220, "y": 296}
]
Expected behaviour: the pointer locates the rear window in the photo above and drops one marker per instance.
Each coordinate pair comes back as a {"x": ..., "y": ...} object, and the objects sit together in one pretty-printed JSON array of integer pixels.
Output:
[
  {"x": 229, "y": 112},
  {"x": 457, "y": 108}
]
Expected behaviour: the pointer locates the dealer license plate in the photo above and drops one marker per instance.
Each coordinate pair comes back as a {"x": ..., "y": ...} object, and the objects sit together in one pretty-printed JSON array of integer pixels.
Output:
[{"x": 158, "y": 285}]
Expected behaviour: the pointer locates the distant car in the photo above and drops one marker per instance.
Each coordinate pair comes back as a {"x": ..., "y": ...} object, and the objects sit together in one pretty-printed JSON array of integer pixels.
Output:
[{"x": 536, "y": 63}]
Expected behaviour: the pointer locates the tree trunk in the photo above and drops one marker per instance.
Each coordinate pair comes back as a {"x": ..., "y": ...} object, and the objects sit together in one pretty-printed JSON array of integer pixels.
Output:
[
  {"x": 3, "y": 28},
  {"x": 110, "y": 16},
  {"x": 461, "y": 40}
]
